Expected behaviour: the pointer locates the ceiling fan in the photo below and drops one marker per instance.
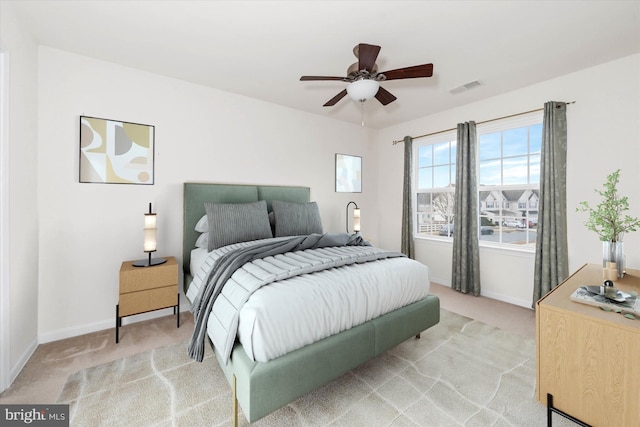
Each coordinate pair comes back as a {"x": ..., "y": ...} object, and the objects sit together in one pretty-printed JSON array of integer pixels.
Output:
[{"x": 363, "y": 77}]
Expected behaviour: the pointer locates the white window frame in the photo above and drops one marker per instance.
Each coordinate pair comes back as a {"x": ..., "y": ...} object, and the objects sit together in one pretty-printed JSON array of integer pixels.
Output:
[
  {"x": 430, "y": 140},
  {"x": 519, "y": 121}
]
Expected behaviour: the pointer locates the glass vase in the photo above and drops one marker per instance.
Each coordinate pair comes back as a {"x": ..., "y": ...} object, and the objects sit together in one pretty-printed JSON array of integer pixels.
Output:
[{"x": 614, "y": 252}]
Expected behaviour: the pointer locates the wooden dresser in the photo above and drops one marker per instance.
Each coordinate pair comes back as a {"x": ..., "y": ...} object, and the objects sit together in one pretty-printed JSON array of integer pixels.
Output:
[
  {"x": 145, "y": 289},
  {"x": 588, "y": 359}
]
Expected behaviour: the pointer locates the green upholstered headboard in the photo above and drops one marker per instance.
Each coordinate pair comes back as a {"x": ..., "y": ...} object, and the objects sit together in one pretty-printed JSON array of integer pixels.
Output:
[{"x": 197, "y": 193}]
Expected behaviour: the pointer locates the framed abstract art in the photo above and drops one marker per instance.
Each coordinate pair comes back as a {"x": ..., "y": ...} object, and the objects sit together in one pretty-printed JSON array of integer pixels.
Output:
[
  {"x": 116, "y": 152},
  {"x": 348, "y": 174}
]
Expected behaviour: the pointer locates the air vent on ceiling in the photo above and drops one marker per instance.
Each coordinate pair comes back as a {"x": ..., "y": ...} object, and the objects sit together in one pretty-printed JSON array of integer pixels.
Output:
[{"x": 464, "y": 87}]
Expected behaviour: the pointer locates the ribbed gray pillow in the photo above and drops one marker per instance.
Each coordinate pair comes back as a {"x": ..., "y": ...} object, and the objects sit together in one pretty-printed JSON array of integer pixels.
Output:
[
  {"x": 237, "y": 222},
  {"x": 296, "y": 219}
]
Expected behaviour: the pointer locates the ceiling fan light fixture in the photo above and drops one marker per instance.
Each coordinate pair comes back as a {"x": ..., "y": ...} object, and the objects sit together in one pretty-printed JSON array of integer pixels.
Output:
[{"x": 363, "y": 89}]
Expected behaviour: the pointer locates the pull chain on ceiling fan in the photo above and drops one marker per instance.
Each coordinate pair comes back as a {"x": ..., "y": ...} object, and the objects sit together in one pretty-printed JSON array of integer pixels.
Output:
[{"x": 364, "y": 79}]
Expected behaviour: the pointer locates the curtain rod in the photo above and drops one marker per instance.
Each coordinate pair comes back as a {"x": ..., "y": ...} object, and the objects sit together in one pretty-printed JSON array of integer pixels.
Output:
[{"x": 479, "y": 123}]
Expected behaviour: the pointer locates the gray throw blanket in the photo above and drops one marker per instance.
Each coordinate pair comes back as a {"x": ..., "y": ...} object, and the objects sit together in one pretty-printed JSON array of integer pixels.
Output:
[{"x": 228, "y": 263}]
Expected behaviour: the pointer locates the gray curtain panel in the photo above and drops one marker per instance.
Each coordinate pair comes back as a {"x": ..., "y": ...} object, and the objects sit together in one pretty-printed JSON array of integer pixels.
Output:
[
  {"x": 465, "y": 276},
  {"x": 406, "y": 246},
  {"x": 552, "y": 264}
]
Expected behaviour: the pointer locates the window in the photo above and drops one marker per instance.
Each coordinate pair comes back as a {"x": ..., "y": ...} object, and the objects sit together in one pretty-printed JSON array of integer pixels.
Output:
[
  {"x": 508, "y": 179},
  {"x": 436, "y": 165}
]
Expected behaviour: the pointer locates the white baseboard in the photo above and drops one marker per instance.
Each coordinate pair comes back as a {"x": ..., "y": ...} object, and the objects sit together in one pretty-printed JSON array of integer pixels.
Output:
[
  {"x": 507, "y": 299},
  {"x": 492, "y": 295},
  {"x": 75, "y": 331},
  {"x": 22, "y": 361},
  {"x": 443, "y": 282}
]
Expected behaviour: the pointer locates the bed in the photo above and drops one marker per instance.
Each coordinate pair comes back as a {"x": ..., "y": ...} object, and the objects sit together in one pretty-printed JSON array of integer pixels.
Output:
[{"x": 261, "y": 387}]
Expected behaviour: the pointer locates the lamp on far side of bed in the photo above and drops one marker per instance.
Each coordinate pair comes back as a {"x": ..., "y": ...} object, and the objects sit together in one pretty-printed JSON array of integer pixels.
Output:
[
  {"x": 356, "y": 217},
  {"x": 150, "y": 241}
]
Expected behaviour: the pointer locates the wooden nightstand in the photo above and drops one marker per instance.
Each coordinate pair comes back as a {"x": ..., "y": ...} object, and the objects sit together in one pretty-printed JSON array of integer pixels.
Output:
[{"x": 144, "y": 289}]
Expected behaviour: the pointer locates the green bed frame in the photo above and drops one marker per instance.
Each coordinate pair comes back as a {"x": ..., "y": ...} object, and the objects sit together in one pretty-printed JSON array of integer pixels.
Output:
[{"x": 261, "y": 388}]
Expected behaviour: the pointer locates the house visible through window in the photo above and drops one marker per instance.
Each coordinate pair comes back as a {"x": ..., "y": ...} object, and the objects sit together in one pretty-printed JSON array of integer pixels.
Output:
[{"x": 508, "y": 179}]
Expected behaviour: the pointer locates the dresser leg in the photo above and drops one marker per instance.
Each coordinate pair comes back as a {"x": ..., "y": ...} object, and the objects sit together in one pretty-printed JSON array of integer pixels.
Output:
[
  {"x": 551, "y": 409},
  {"x": 117, "y": 322},
  {"x": 177, "y": 310}
]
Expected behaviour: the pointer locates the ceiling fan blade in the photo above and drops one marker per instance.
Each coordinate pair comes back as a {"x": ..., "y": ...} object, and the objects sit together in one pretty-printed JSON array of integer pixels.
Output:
[
  {"x": 384, "y": 96},
  {"x": 367, "y": 55},
  {"x": 306, "y": 78},
  {"x": 425, "y": 70},
  {"x": 336, "y": 98}
]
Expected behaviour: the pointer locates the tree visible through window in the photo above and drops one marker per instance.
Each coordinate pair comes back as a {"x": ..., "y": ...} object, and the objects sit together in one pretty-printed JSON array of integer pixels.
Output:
[
  {"x": 436, "y": 178},
  {"x": 508, "y": 179}
]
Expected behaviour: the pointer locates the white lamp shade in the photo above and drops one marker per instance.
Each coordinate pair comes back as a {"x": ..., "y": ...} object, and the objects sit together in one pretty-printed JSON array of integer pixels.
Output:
[
  {"x": 150, "y": 243},
  {"x": 356, "y": 219},
  {"x": 150, "y": 240},
  {"x": 363, "y": 89},
  {"x": 149, "y": 221}
]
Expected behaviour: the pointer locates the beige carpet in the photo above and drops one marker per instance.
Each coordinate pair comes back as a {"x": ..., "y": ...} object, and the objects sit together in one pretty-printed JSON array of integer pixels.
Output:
[{"x": 460, "y": 373}]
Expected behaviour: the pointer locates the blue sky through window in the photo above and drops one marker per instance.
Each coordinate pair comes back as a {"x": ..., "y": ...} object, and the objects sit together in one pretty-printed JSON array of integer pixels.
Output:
[
  {"x": 436, "y": 165},
  {"x": 509, "y": 157},
  {"x": 506, "y": 157}
]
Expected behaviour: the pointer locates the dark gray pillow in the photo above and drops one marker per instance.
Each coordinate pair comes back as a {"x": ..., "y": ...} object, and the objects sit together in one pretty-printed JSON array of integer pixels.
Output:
[
  {"x": 296, "y": 219},
  {"x": 237, "y": 222},
  {"x": 272, "y": 221}
]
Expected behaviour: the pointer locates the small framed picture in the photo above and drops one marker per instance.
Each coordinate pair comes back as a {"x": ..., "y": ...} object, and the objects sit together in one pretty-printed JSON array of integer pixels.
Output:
[
  {"x": 348, "y": 174},
  {"x": 115, "y": 152}
]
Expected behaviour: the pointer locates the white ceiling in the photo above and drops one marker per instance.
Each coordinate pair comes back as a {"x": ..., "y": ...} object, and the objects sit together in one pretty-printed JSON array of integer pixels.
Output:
[{"x": 261, "y": 48}]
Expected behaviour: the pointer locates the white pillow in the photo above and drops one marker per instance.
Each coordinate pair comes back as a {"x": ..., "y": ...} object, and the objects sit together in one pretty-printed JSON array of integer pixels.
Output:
[
  {"x": 203, "y": 241},
  {"x": 203, "y": 225},
  {"x": 198, "y": 258}
]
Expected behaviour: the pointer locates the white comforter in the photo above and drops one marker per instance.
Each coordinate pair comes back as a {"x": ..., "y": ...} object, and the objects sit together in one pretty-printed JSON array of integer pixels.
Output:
[{"x": 289, "y": 314}]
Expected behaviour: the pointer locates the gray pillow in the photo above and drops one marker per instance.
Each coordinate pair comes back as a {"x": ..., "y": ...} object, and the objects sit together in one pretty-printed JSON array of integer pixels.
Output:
[
  {"x": 296, "y": 219},
  {"x": 237, "y": 222}
]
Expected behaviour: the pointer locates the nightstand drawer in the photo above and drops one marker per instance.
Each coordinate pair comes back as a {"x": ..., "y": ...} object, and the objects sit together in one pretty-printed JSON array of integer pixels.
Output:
[
  {"x": 147, "y": 300},
  {"x": 134, "y": 279}
]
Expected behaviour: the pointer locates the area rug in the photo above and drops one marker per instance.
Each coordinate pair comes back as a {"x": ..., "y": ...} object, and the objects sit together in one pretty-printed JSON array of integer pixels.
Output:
[{"x": 461, "y": 372}]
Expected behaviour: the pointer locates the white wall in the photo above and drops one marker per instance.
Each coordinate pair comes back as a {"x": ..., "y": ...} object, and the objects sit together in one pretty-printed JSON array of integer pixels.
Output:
[
  {"x": 22, "y": 210},
  {"x": 202, "y": 134},
  {"x": 603, "y": 135}
]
